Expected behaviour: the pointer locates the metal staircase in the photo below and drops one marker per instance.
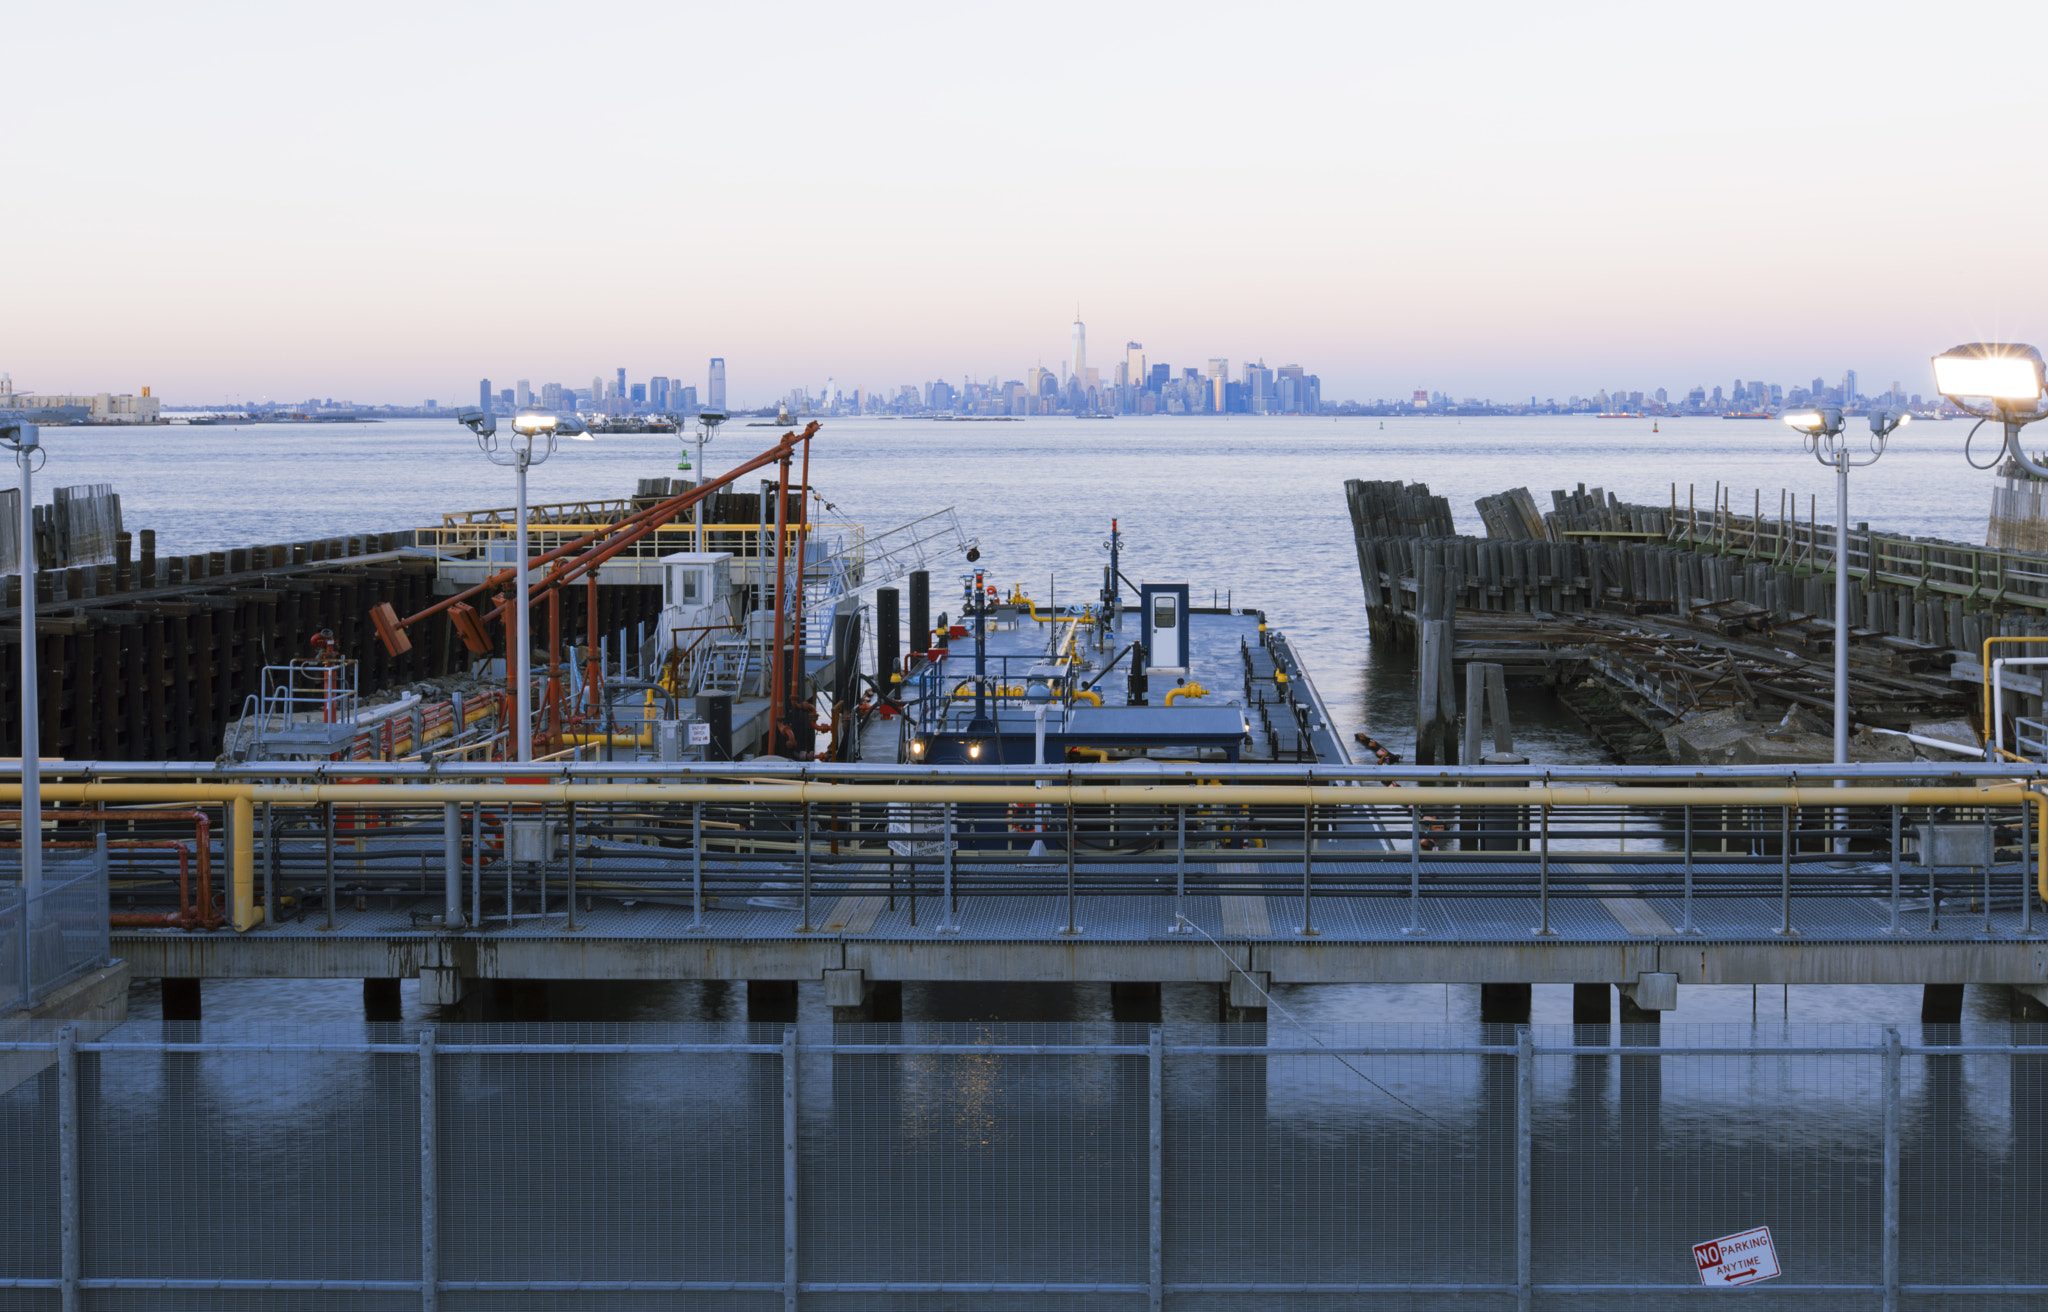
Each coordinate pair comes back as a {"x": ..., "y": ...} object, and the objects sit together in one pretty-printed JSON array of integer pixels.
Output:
[{"x": 727, "y": 667}]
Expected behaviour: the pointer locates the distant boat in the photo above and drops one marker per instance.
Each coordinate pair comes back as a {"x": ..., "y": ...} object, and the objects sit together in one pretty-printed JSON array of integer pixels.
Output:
[
  {"x": 1745, "y": 414},
  {"x": 1623, "y": 414}
]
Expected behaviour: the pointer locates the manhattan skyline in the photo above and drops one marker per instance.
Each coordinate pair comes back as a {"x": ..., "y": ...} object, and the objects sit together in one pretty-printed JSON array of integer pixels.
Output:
[{"x": 1498, "y": 203}]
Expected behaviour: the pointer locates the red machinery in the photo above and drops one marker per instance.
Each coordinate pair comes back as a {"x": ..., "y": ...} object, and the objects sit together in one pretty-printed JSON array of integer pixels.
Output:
[{"x": 580, "y": 559}]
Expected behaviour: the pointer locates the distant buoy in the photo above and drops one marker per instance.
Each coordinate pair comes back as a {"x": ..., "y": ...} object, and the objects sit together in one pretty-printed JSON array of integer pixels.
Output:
[{"x": 1653, "y": 425}]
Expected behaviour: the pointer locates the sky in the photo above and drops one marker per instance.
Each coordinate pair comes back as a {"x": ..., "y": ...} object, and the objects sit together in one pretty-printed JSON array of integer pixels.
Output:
[{"x": 386, "y": 202}]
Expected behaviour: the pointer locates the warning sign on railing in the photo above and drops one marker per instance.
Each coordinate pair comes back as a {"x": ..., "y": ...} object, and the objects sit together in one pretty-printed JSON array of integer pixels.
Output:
[{"x": 1742, "y": 1259}]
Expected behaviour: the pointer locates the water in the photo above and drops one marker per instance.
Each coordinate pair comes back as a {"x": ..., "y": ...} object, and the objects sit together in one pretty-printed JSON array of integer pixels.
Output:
[{"x": 1249, "y": 510}]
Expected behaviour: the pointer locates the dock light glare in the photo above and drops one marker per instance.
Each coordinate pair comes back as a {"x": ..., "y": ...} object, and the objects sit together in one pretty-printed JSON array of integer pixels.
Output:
[
  {"x": 974, "y": 751},
  {"x": 1815, "y": 421},
  {"x": 917, "y": 749},
  {"x": 534, "y": 421},
  {"x": 1990, "y": 371}
]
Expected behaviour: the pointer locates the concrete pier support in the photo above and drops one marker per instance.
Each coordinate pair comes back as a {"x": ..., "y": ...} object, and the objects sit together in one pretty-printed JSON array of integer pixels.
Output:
[
  {"x": 381, "y": 1002},
  {"x": 1941, "y": 1004},
  {"x": 1135, "y": 1004},
  {"x": 1593, "y": 1004},
  {"x": 771, "y": 1002},
  {"x": 181, "y": 999},
  {"x": 1504, "y": 1004},
  {"x": 1243, "y": 1002},
  {"x": 856, "y": 1000}
]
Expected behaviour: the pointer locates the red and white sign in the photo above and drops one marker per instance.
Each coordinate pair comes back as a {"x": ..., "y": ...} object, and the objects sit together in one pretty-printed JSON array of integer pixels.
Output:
[{"x": 1742, "y": 1259}]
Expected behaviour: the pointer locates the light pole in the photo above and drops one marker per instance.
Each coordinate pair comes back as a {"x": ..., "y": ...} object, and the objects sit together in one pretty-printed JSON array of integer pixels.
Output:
[
  {"x": 519, "y": 453},
  {"x": 1822, "y": 428},
  {"x": 25, "y": 440},
  {"x": 707, "y": 424}
]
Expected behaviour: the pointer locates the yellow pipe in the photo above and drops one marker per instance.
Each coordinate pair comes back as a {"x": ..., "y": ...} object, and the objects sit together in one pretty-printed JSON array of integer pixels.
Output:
[
  {"x": 962, "y": 692},
  {"x": 1090, "y": 695},
  {"x": 1187, "y": 690},
  {"x": 1018, "y": 598},
  {"x": 2041, "y": 840},
  {"x": 242, "y": 867},
  {"x": 1095, "y": 752}
]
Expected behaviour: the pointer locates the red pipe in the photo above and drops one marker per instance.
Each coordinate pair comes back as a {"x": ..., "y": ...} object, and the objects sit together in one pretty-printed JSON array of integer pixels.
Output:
[{"x": 201, "y": 916}]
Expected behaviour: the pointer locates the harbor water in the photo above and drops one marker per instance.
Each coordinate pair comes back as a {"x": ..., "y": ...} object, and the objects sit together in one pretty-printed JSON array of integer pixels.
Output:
[{"x": 1249, "y": 510}]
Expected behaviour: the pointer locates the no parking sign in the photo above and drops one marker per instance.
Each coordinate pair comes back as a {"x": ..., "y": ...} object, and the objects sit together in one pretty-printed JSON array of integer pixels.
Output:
[{"x": 1741, "y": 1259}]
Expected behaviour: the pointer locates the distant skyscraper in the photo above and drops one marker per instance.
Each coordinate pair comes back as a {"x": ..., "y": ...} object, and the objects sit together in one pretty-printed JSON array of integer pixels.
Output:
[
  {"x": 621, "y": 393},
  {"x": 657, "y": 392},
  {"x": 1849, "y": 388},
  {"x": 1080, "y": 364},
  {"x": 483, "y": 396},
  {"x": 522, "y": 394},
  {"x": 714, "y": 391},
  {"x": 505, "y": 399},
  {"x": 1134, "y": 358},
  {"x": 1219, "y": 379}
]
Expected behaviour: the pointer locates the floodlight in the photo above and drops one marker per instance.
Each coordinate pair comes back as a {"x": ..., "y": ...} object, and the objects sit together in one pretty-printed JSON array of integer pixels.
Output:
[
  {"x": 1815, "y": 420},
  {"x": 529, "y": 422},
  {"x": 1994, "y": 371}
]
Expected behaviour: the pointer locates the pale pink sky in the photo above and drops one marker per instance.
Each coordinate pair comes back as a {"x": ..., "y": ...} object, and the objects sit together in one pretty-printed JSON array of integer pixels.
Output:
[{"x": 387, "y": 201}]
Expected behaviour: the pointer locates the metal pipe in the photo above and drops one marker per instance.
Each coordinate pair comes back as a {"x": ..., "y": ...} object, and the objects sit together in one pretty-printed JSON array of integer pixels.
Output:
[
  {"x": 1414, "y": 871},
  {"x": 327, "y": 830},
  {"x": 777, "y": 665},
  {"x": 71, "y": 1222},
  {"x": 451, "y": 863},
  {"x": 1155, "y": 1159},
  {"x": 31, "y": 692},
  {"x": 1525, "y": 1191},
  {"x": 1785, "y": 864},
  {"x": 789, "y": 1169},
  {"x": 430, "y": 1178},
  {"x": 571, "y": 926},
  {"x": 1892, "y": 1063},
  {"x": 1687, "y": 928},
  {"x": 522, "y": 691},
  {"x": 696, "y": 865}
]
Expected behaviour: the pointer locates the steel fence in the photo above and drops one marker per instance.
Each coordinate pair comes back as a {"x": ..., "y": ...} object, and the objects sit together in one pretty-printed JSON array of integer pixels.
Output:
[
  {"x": 1002, "y": 1166},
  {"x": 49, "y": 939}
]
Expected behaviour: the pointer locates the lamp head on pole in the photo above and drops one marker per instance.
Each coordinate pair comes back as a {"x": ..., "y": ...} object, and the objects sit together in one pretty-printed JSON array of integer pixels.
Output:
[
  {"x": 1815, "y": 421},
  {"x": 1993, "y": 380},
  {"x": 1883, "y": 423}
]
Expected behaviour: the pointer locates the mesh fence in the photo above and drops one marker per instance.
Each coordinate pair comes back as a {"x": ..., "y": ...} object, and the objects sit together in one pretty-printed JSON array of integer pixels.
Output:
[{"x": 1064, "y": 1166}]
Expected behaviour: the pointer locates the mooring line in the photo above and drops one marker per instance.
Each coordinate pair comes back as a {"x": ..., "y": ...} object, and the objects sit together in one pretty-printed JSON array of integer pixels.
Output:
[{"x": 1249, "y": 979}]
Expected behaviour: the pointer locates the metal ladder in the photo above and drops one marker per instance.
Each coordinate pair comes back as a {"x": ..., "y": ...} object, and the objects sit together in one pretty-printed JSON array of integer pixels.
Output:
[{"x": 727, "y": 666}]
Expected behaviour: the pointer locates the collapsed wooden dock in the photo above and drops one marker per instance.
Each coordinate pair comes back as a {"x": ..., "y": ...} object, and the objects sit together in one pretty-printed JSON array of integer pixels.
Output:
[{"x": 1678, "y": 610}]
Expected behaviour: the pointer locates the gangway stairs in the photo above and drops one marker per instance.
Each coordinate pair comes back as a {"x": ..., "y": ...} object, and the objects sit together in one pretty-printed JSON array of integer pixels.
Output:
[
  {"x": 857, "y": 564},
  {"x": 728, "y": 666}
]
